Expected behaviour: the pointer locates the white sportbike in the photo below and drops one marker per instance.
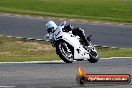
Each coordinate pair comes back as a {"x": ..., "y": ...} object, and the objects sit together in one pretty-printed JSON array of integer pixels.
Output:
[{"x": 69, "y": 48}]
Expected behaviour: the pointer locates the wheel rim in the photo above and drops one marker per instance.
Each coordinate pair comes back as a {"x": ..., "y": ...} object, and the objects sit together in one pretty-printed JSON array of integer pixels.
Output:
[
  {"x": 66, "y": 53},
  {"x": 93, "y": 52}
]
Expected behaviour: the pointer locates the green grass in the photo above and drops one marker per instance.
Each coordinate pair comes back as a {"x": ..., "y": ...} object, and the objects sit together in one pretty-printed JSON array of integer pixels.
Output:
[
  {"x": 26, "y": 58},
  {"x": 114, "y": 52},
  {"x": 106, "y": 10},
  {"x": 12, "y": 49}
]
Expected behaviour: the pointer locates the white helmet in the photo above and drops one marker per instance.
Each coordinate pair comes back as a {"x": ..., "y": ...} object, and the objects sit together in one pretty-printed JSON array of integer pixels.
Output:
[{"x": 50, "y": 26}]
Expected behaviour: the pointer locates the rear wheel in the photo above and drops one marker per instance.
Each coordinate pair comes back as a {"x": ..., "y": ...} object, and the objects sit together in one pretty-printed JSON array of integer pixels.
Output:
[{"x": 64, "y": 51}]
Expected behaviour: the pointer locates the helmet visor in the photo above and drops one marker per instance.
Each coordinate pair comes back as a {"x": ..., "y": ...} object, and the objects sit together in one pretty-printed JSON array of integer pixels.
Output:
[{"x": 49, "y": 30}]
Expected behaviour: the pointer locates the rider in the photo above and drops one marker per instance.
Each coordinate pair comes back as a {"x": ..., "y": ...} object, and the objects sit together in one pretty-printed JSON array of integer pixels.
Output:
[{"x": 51, "y": 27}]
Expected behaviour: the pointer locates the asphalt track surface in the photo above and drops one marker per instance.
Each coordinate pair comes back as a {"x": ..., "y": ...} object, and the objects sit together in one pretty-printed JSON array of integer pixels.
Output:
[
  {"x": 114, "y": 35},
  {"x": 60, "y": 74}
]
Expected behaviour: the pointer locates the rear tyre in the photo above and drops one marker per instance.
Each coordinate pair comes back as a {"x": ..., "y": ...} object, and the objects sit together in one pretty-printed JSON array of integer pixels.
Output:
[{"x": 64, "y": 51}]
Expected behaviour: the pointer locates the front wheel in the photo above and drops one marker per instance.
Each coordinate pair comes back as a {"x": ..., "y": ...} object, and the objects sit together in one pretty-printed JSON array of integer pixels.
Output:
[
  {"x": 64, "y": 51},
  {"x": 93, "y": 55}
]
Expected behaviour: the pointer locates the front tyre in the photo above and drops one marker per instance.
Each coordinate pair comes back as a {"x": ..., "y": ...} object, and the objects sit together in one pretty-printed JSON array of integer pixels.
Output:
[
  {"x": 93, "y": 55},
  {"x": 64, "y": 51}
]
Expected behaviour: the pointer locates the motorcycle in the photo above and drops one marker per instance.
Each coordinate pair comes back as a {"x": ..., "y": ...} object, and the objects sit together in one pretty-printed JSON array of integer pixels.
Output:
[{"x": 70, "y": 48}]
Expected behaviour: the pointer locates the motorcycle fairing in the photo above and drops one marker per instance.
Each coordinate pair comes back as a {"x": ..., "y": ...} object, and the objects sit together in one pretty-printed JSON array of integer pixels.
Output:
[{"x": 79, "y": 51}]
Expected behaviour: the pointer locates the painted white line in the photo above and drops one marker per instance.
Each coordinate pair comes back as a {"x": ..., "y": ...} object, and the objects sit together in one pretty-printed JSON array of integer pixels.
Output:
[
  {"x": 121, "y": 24},
  {"x": 39, "y": 39},
  {"x": 97, "y": 45},
  {"x": 61, "y": 19},
  {"x": 121, "y": 57},
  {"x": 7, "y": 86},
  {"x": 106, "y": 46},
  {"x": 113, "y": 47},
  {"x": 14, "y": 62},
  {"x": 30, "y": 38},
  {"x": 19, "y": 37},
  {"x": 56, "y": 61},
  {"x": 117, "y": 58},
  {"x": 28, "y": 16},
  {"x": 28, "y": 62},
  {"x": 71, "y": 20},
  {"x": 107, "y": 23},
  {"x": 47, "y": 40},
  {"x": 7, "y": 14},
  {"x": 18, "y": 15},
  {"x": 1, "y": 35},
  {"x": 84, "y": 21},
  {"x": 106, "y": 58},
  {"x": 95, "y": 22},
  {"x": 9, "y": 36},
  {"x": 40, "y": 17}
]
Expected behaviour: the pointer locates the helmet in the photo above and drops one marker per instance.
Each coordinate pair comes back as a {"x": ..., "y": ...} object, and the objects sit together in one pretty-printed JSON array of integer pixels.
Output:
[{"x": 50, "y": 26}]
